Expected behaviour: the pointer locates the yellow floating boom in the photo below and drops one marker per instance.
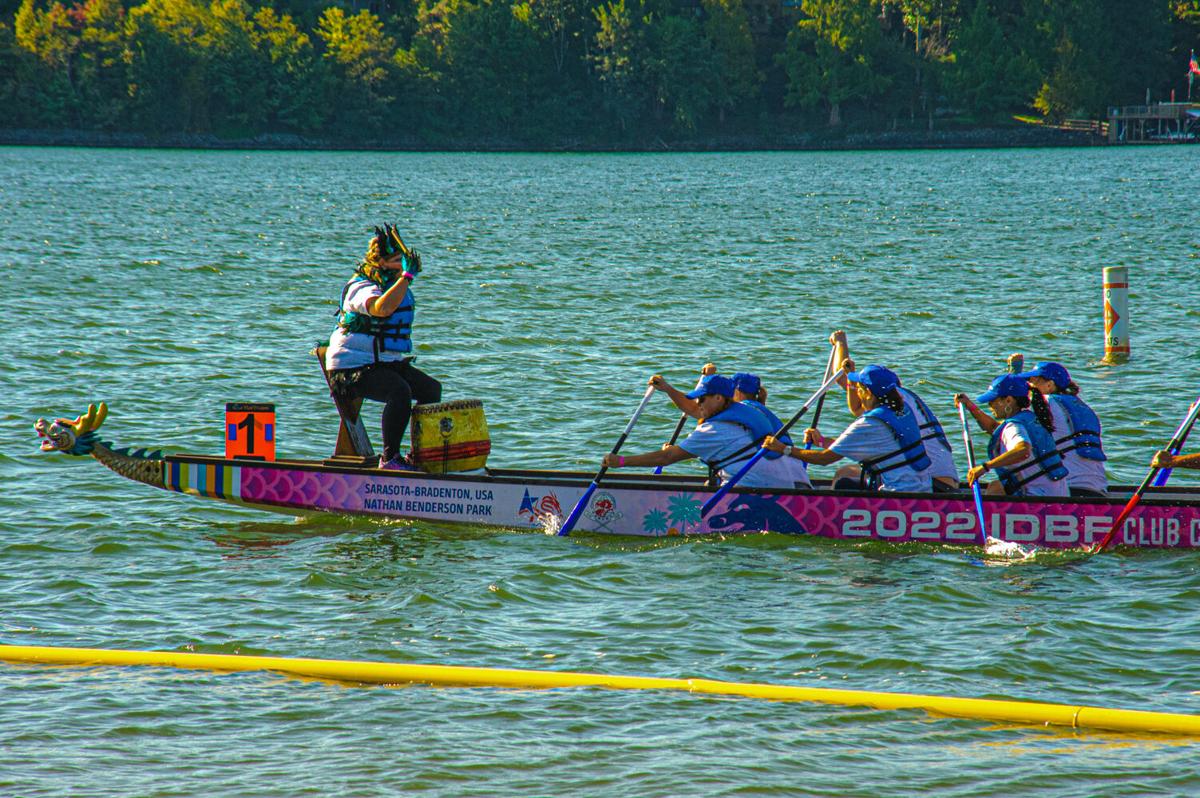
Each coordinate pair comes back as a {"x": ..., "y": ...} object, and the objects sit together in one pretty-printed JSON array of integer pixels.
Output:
[{"x": 1020, "y": 712}]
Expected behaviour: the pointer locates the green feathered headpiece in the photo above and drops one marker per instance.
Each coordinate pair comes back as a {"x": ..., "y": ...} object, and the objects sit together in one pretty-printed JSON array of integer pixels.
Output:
[{"x": 389, "y": 242}]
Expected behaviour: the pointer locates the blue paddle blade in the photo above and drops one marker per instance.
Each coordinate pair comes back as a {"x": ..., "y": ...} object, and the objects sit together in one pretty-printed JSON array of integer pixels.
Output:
[
  {"x": 569, "y": 524},
  {"x": 979, "y": 514}
]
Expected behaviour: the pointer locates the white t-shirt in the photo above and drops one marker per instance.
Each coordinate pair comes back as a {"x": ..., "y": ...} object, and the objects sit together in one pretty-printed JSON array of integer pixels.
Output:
[
  {"x": 349, "y": 350},
  {"x": 1084, "y": 473},
  {"x": 941, "y": 459},
  {"x": 716, "y": 440},
  {"x": 1011, "y": 436},
  {"x": 867, "y": 438}
]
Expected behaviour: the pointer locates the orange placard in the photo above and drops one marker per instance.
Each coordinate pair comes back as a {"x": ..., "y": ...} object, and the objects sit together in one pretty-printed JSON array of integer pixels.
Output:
[{"x": 249, "y": 430}]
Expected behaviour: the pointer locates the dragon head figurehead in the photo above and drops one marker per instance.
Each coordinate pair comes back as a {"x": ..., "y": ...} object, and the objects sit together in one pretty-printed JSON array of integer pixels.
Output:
[{"x": 76, "y": 437}]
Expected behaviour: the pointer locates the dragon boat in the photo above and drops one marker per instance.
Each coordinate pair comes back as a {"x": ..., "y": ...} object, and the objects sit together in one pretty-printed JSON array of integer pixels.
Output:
[{"x": 627, "y": 503}]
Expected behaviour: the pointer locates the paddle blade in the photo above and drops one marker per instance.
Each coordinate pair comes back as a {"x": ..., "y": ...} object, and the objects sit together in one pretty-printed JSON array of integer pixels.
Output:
[
  {"x": 979, "y": 514},
  {"x": 569, "y": 524}
]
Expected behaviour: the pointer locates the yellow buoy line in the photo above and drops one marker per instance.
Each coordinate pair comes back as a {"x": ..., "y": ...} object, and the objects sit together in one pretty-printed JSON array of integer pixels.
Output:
[{"x": 1019, "y": 712}]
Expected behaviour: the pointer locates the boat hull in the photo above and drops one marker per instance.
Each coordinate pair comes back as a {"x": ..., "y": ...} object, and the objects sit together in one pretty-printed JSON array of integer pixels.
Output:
[{"x": 644, "y": 505}]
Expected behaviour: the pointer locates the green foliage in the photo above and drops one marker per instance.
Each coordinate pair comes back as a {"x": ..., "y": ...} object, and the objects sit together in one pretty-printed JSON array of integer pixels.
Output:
[
  {"x": 682, "y": 73},
  {"x": 493, "y": 55},
  {"x": 360, "y": 56},
  {"x": 989, "y": 74},
  {"x": 296, "y": 82},
  {"x": 736, "y": 78},
  {"x": 547, "y": 72},
  {"x": 619, "y": 60},
  {"x": 829, "y": 56}
]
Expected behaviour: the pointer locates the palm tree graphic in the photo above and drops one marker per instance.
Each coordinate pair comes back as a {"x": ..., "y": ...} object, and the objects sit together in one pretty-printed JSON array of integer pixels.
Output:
[
  {"x": 684, "y": 510},
  {"x": 655, "y": 521}
]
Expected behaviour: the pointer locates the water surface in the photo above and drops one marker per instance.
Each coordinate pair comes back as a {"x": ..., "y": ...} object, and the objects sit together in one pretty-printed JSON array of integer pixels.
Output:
[{"x": 170, "y": 282}]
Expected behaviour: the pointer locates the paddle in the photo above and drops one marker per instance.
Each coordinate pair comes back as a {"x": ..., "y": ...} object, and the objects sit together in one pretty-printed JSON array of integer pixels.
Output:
[
  {"x": 720, "y": 494},
  {"x": 962, "y": 416},
  {"x": 821, "y": 402},
  {"x": 1158, "y": 476},
  {"x": 569, "y": 524},
  {"x": 683, "y": 417}
]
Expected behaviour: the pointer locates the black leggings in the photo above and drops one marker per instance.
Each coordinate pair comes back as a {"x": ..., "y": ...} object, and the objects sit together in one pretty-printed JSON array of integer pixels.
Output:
[{"x": 396, "y": 385}]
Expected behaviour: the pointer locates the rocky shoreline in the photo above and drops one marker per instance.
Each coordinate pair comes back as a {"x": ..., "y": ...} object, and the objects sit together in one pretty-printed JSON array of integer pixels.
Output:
[{"x": 1024, "y": 136}]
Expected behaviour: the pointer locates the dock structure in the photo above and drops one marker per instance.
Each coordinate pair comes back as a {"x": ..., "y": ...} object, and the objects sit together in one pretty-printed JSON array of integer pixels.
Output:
[{"x": 1160, "y": 123}]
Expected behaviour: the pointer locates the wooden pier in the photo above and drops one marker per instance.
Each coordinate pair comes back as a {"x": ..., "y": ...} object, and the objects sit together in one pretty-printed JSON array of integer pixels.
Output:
[{"x": 1160, "y": 123}]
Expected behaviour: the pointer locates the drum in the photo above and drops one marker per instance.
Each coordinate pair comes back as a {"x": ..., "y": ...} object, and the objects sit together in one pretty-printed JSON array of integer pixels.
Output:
[{"x": 450, "y": 436}]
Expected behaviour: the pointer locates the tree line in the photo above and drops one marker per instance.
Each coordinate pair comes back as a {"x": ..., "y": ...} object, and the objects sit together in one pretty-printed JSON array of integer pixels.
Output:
[{"x": 577, "y": 72}]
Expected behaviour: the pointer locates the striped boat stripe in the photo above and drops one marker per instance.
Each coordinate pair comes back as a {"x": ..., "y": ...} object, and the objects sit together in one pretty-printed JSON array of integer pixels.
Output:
[
  {"x": 232, "y": 483},
  {"x": 208, "y": 480}
]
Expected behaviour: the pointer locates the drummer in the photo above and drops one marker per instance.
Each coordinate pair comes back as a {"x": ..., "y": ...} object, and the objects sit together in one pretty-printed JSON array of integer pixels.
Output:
[
  {"x": 370, "y": 352},
  {"x": 1022, "y": 446},
  {"x": 727, "y": 436},
  {"x": 942, "y": 471},
  {"x": 1078, "y": 428},
  {"x": 885, "y": 440}
]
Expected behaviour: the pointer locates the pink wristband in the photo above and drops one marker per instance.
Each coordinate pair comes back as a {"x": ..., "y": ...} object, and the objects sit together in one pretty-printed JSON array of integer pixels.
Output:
[
  {"x": 409, "y": 276},
  {"x": 620, "y": 461}
]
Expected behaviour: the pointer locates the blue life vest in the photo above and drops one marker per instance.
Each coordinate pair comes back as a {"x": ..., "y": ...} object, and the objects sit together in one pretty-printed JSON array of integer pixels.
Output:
[
  {"x": 1085, "y": 428},
  {"x": 392, "y": 334},
  {"x": 932, "y": 428},
  {"x": 775, "y": 423},
  {"x": 1046, "y": 459},
  {"x": 753, "y": 418},
  {"x": 909, "y": 451}
]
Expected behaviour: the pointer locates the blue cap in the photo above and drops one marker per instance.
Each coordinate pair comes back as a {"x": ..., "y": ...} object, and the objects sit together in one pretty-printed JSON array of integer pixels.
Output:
[
  {"x": 1004, "y": 385},
  {"x": 712, "y": 384},
  {"x": 747, "y": 383},
  {"x": 879, "y": 380},
  {"x": 1055, "y": 372}
]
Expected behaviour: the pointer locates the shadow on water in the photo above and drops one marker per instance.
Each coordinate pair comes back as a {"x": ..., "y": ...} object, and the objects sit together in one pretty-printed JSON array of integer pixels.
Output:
[{"x": 254, "y": 538}]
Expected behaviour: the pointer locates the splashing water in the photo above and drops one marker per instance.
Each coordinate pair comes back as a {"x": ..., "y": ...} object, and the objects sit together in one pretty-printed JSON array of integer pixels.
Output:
[
  {"x": 551, "y": 523},
  {"x": 1009, "y": 550}
]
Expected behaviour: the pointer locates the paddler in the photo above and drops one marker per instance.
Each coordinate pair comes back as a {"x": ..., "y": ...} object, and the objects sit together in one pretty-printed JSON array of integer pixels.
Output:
[
  {"x": 727, "y": 436},
  {"x": 885, "y": 440},
  {"x": 943, "y": 472},
  {"x": 1078, "y": 436},
  {"x": 1021, "y": 450},
  {"x": 747, "y": 387},
  {"x": 749, "y": 390},
  {"x": 370, "y": 352},
  {"x": 690, "y": 407}
]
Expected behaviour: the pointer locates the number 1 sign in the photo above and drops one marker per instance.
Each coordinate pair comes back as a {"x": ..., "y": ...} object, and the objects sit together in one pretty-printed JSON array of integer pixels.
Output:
[{"x": 249, "y": 430}]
